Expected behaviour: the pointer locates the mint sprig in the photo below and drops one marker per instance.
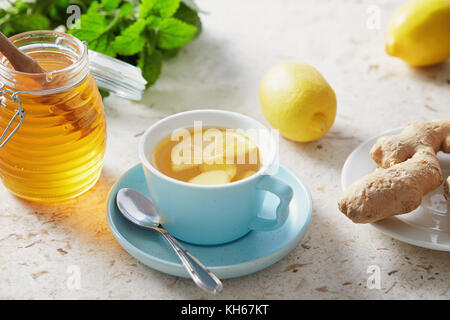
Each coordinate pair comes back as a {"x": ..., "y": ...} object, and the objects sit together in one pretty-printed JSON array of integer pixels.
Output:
[
  {"x": 146, "y": 33},
  {"x": 142, "y": 33}
]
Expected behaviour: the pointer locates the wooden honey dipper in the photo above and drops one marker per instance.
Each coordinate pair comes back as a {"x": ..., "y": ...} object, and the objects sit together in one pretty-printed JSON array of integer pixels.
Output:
[
  {"x": 19, "y": 60},
  {"x": 24, "y": 63}
]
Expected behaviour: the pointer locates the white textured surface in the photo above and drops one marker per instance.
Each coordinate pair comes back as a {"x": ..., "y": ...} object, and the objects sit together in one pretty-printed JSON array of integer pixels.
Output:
[{"x": 222, "y": 69}]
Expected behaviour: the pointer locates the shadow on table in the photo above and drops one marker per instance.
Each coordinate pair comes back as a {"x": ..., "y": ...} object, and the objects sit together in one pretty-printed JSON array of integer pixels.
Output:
[
  {"x": 438, "y": 74},
  {"x": 85, "y": 214},
  {"x": 333, "y": 148}
]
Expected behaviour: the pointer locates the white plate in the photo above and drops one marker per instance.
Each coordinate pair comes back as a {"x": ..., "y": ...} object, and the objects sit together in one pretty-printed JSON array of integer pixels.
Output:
[{"x": 429, "y": 225}]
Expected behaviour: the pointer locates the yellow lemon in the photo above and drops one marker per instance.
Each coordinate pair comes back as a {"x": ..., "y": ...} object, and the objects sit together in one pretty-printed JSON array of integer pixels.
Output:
[
  {"x": 228, "y": 146},
  {"x": 180, "y": 161},
  {"x": 419, "y": 32},
  {"x": 297, "y": 101}
]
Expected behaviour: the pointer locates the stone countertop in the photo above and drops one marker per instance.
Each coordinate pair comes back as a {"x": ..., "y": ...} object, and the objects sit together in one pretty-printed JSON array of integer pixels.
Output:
[{"x": 41, "y": 245}]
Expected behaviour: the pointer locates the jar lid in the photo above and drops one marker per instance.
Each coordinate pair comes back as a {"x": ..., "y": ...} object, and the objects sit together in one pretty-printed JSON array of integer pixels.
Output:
[{"x": 116, "y": 76}]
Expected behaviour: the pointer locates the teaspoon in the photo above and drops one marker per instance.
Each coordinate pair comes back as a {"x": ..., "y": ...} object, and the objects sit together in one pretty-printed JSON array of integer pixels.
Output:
[{"x": 138, "y": 209}]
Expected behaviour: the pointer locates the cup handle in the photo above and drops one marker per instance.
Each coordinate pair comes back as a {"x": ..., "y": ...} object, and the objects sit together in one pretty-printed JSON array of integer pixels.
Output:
[{"x": 284, "y": 192}]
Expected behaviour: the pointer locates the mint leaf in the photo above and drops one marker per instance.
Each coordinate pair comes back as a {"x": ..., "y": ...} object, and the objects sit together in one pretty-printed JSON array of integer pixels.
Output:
[
  {"x": 92, "y": 25},
  {"x": 166, "y": 8},
  {"x": 130, "y": 41},
  {"x": 125, "y": 10},
  {"x": 104, "y": 93},
  {"x": 24, "y": 22},
  {"x": 146, "y": 8},
  {"x": 175, "y": 33},
  {"x": 153, "y": 22},
  {"x": 150, "y": 62},
  {"x": 103, "y": 44},
  {"x": 169, "y": 53},
  {"x": 188, "y": 15},
  {"x": 97, "y": 30},
  {"x": 55, "y": 8},
  {"x": 110, "y": 5}
]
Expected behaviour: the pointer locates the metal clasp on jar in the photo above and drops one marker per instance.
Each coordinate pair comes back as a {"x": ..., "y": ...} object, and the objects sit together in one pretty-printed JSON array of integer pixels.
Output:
[{"x": 19, "y": 112}]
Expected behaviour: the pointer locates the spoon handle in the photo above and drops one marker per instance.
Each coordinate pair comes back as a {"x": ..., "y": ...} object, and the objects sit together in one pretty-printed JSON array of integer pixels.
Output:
[{"x": 202, "y": 277}]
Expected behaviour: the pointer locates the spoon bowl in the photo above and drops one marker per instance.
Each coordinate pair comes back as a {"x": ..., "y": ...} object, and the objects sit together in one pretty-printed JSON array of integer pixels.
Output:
[{"x": 137, "y": 208}]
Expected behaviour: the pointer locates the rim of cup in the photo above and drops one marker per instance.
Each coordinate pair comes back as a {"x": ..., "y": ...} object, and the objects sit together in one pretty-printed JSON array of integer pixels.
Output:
[{"x": 144, "y": 158}]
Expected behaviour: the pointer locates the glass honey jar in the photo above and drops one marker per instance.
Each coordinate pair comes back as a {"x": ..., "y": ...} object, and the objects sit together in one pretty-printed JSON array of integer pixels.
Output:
[{"x": 53, "y": 123}]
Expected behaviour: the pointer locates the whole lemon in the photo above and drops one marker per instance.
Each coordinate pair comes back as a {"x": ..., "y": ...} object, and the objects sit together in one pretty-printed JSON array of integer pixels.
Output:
[
  {"x": 419, "y": 32},
  {"x": 297, "y": 101}
]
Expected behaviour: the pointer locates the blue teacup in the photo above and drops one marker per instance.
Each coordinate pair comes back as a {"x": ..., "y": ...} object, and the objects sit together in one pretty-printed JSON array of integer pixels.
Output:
[{"x": 215, "y": 214}]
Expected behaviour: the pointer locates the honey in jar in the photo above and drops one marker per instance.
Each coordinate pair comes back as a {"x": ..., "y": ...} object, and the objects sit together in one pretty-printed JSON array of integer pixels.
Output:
[{"x": 53, "y": 123}]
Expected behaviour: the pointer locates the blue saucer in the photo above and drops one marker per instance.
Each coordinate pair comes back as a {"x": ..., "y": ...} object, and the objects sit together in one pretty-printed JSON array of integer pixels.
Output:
[{"x": 253, "y": 252}]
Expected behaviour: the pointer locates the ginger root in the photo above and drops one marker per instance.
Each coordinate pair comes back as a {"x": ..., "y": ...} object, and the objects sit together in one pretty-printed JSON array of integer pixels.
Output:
[{"x": 408, "y": 169}]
